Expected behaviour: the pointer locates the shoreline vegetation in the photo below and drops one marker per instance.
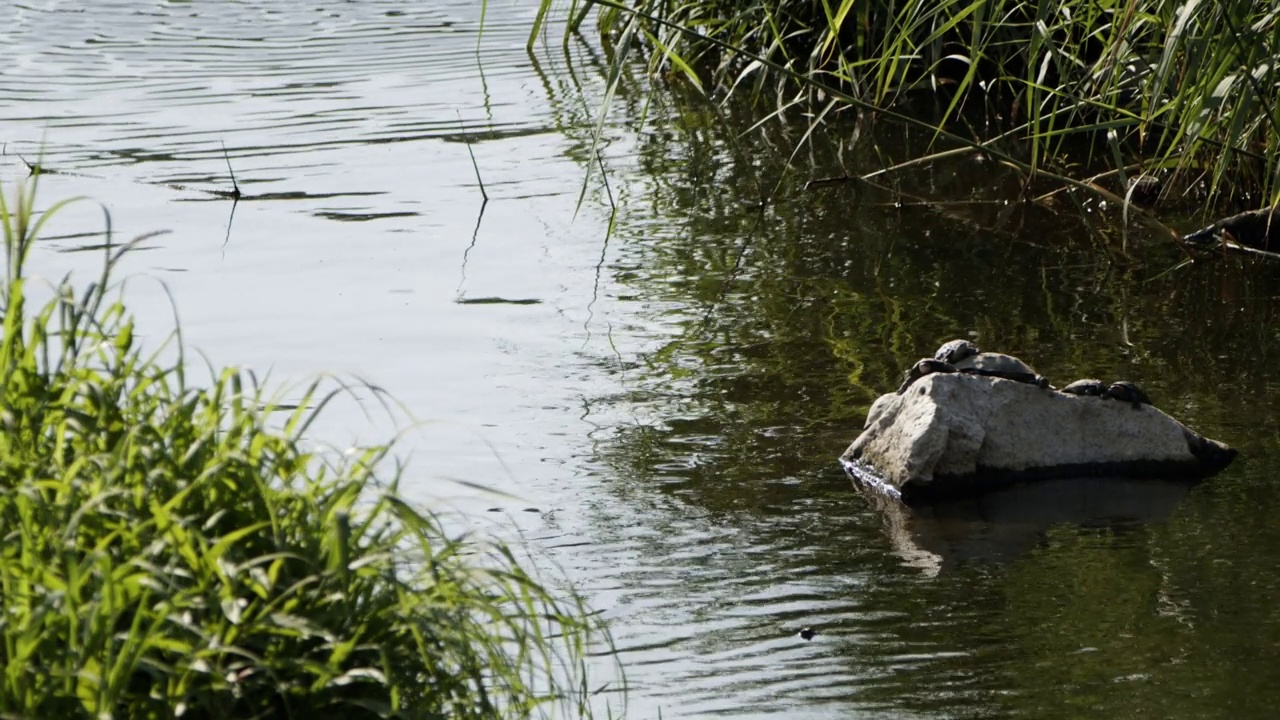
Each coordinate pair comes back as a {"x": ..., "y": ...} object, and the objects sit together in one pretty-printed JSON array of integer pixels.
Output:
[
  {"x": 1170, "y": 101},
  {"x": 168, "y": 554}
]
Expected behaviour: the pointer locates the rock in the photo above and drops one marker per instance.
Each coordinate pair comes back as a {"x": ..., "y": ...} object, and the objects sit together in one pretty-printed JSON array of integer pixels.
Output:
[{"x": 957, "y": 434}]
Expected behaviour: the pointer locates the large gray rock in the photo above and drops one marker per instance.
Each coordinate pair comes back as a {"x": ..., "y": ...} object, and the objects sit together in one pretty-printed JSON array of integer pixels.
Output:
[{"x": 957, "y": 434}]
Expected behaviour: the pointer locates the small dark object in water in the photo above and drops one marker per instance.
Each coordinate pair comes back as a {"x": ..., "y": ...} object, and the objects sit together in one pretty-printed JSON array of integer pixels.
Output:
[
  {"x": 808, "y": 633},
  {"x": 1125, "y": 391},
  {"x": 956, "y": 350},
  {"x": 925, "y": 366},
  {"x": 1259, "y": 229},
  {"x": 498, "y": 301},
  {"x": 1143, "y": 189},
  {"x": 1096, "y": 388}
]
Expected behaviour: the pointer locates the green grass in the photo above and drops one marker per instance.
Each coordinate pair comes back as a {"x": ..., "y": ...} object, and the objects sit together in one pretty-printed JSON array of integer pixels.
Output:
[
  {"x": 1186, "y": 90},
  {"x": 168, "y": 554}
]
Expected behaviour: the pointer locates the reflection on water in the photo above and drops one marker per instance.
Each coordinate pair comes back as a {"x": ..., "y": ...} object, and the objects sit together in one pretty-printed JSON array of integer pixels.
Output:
[
  {"x": 669, "y": 394},
  {"x": 1005, "y": 525}
]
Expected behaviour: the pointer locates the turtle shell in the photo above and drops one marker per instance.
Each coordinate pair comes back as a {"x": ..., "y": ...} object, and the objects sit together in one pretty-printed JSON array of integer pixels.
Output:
[
  {"x": 1001, "y": 366},
  {"x": 1126, "y": 391},
  {"x": 991, "y": 363},
  {"x": 955, "y": 351},
  {"x": 1088, "y": 386}
]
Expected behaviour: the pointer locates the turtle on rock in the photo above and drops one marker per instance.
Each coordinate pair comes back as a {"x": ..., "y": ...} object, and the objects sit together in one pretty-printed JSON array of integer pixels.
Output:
[
  {"x": 966, "y": 358},
  {"x": 926, "y": 366},
  {"x": 1090, "y": 387},
  {"x": 1125, "y": 391},
  {"x": 956, "y": 350}
]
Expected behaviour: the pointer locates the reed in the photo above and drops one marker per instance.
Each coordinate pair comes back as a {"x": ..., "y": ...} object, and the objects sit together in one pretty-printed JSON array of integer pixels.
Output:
[
  {"x": 168, "y": 554},
  {"x": 1184, "y": 88}
]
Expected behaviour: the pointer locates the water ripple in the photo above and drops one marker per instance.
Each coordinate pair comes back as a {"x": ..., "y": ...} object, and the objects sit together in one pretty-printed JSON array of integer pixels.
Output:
[{"x": 178, "y": 77}]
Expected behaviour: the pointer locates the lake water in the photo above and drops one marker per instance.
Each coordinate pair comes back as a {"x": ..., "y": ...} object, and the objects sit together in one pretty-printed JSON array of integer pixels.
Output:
[{"x": 658, "y": 405}]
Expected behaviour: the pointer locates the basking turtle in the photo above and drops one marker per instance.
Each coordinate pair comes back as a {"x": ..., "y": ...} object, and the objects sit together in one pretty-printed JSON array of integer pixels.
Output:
[
  {"x": 955, "y": 351},
  {"x": 966, "y": 358},
  {"x": 1001, "y": 366},
  {"x": 1125, "y": 391},
  {"x": 924, "y": 367},
  {"x": 1092, "y": 387}
]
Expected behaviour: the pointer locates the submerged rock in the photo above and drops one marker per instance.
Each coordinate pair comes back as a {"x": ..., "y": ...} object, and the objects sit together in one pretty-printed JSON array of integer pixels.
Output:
[{"x": 958, "y": 434}]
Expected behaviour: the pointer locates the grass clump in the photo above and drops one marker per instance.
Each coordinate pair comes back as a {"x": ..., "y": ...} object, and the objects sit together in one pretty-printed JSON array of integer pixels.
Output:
[
  {"x": 1184, "y": 88},
  {"x": 166, "y": 553}
]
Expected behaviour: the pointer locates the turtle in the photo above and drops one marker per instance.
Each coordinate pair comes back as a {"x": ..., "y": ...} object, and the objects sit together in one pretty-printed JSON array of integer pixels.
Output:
[
  {"x": 955, "y": 351},
  {"x": 1001, "y": 366},
  {"x": 1125, "y": 391},
  {"x": 1095, "y": 388},
  {"x": 967, "y": 358},
  {"x": 925, "y": 366},
  {"x": 1257, "y": 229}
]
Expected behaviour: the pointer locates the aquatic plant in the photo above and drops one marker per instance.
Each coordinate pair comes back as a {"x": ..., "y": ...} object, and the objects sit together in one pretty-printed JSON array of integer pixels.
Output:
[
  {"x": 1187, "y": 88},
  {"x": 167, "y": 553}
]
